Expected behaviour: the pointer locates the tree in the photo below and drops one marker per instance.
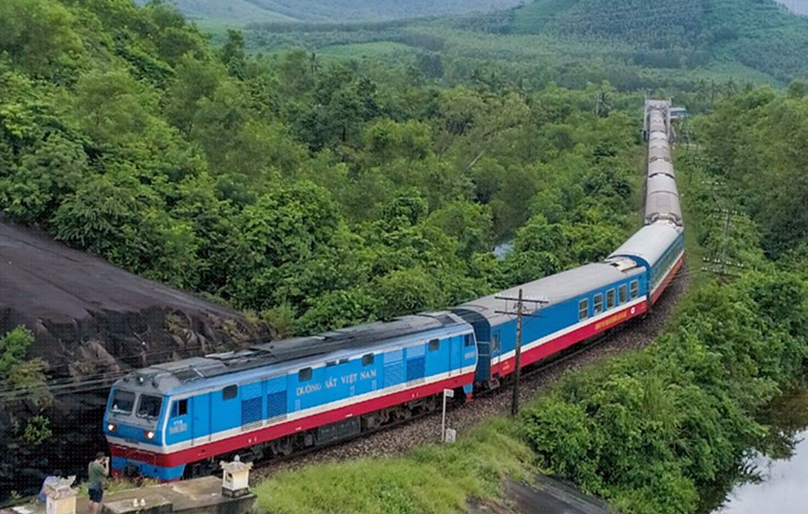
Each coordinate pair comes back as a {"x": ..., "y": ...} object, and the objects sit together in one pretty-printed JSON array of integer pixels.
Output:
[
  {"x": 38, "y": 37},
  {"x": 233, "y": 55},
  {"x": 470, "y": 224},
  {"x": 42, "y": 179},
  {"x": 405, "y": 291},
  {"x": 287, "y": 226},
  {"x": 336, "y": 309},
  {"x": 111, "y": 106}
]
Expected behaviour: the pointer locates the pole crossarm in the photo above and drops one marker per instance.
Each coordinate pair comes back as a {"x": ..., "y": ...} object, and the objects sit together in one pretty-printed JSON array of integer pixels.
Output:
[{"x": 523, "y": 300}]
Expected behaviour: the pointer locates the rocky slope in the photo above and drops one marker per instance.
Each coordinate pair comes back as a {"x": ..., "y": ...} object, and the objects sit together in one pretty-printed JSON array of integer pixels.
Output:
[{"x": 92, "y": 322}]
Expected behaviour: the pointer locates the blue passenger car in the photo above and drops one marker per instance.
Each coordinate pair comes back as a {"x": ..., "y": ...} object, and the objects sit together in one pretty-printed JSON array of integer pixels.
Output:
[{"x": 560, "y": 310}]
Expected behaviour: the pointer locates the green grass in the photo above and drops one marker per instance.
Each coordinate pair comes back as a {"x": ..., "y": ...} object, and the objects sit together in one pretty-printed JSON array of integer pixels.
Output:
[{"x": 431, "y": 479}]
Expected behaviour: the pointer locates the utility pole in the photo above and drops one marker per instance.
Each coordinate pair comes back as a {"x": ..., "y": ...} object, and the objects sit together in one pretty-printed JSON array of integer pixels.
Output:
[
  {"x": 518, "y": 358},
  {"x": 515, "y": 398}
]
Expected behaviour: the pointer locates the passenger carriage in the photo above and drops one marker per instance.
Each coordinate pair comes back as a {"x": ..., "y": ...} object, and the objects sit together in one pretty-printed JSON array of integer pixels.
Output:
[{"x": 580, "y": 303}]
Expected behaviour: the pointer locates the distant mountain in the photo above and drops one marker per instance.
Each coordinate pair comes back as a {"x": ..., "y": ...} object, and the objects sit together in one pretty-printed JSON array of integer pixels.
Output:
[
  {"x": 760, "y": 34},
  {"x": 797, "y": 6},
  {"x": 331, "y": 10}
]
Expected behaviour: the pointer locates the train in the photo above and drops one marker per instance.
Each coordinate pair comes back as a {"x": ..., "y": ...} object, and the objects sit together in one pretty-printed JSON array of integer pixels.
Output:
[{"x": 176, "y": 420}]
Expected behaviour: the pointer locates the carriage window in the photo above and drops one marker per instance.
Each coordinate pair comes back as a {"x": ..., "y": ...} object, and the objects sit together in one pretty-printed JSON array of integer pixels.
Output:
[
  {"x": 469, "y": 341},
  {"x": 622, "y": 295},
  {"x": 123, "y": 402},
  {"x": 328, "y": 364},
  {"x": 434, "y": 345},
  {"x": 149, "y": 406},
  {"x": 635, "y": 289},
  {"x": 610, "y": 298},
  {"x": 598, "y": 303},
  {"x": 229, "y": 392},
  {"x": 583, "y": 309},
  {"x": 368, "y": 359},
  {"x": 179, "y": 408},
  {"x": 304, "y": 374},
  {"x": 344, "y": 360}
]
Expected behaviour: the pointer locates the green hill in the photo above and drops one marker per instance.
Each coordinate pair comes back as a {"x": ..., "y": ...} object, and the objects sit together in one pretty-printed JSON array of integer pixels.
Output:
[
  {"x": 798, "y": 6},
  {"x": 234, "y": 11},
  {"x": 760, "y": 34},
  {"x": 690, "y": 45},
  {"x": 330, "y": 10}
]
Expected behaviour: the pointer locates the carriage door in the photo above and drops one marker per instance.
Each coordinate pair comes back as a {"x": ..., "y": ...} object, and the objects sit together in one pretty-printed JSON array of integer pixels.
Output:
[
  {"x": 201, "y": 413},
  {"x": 496, "y": 349}
]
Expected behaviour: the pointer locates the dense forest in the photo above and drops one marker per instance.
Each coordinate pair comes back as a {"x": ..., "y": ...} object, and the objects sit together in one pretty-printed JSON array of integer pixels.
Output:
[{"x": 315, "y": 194}]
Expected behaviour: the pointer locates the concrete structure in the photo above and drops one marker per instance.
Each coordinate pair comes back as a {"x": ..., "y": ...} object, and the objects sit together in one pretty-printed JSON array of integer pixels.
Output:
[
  {"x": 198, "y": 496},
  {"x": 236, "y": 478},
  {"x": 545, "y": 495},
  {"x": 61, "y": 498},
  {"x": 140, "y": 506}
]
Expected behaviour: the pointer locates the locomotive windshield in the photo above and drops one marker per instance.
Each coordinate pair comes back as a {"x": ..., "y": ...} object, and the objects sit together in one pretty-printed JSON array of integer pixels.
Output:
[
  {"x": 123, "y": 402},
  {"x": 149, "y": 406}
]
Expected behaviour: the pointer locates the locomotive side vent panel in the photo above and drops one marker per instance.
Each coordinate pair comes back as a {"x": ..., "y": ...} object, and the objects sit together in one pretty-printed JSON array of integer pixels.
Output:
[
  {"x": 252, "y": 406},
  {"x": 416, "y": 363},
  {"x": 393, "y": 368},
  {"x": 251, "y": 411}
]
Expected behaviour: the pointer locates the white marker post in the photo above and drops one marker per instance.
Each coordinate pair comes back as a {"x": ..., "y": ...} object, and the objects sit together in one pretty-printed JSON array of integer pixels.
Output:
[{"x": 447, "y": 393}]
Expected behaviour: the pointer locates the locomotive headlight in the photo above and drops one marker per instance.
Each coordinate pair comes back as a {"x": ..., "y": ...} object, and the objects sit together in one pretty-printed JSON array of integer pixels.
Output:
[
  {"x": 112, "y": 427},
  {"x": 149, "y": 434}
]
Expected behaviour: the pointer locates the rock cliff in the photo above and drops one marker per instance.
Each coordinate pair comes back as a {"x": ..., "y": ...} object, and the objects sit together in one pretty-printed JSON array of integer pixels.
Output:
[{"x": 92, "y": 323}]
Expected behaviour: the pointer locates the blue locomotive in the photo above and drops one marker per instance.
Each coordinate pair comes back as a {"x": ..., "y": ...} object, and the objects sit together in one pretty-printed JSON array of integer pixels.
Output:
[{"x": 177, "y": 419}]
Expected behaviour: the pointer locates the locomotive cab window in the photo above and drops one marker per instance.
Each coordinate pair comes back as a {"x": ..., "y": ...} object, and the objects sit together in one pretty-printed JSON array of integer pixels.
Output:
[
  {"x": 434, "y": 345},
  {"x": 635, "y": 289},
  {"x": 123, "y": 402},
  {"x": 495, "y": 342},
  {"x": 149, "y": 406},
  {"x": 610, "y": 299},
  {"x": 368, "y": 359},
  {"x": 304, "y": 374},
  {"x": 179, "y": 408},
  {"x": 469, "y": 341},
  {"x": 598, "y": 303},
  {"x": 583, "y": 309},
  {"x": 622, "y": 294},
  {"x": 229, "y": 392}
]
